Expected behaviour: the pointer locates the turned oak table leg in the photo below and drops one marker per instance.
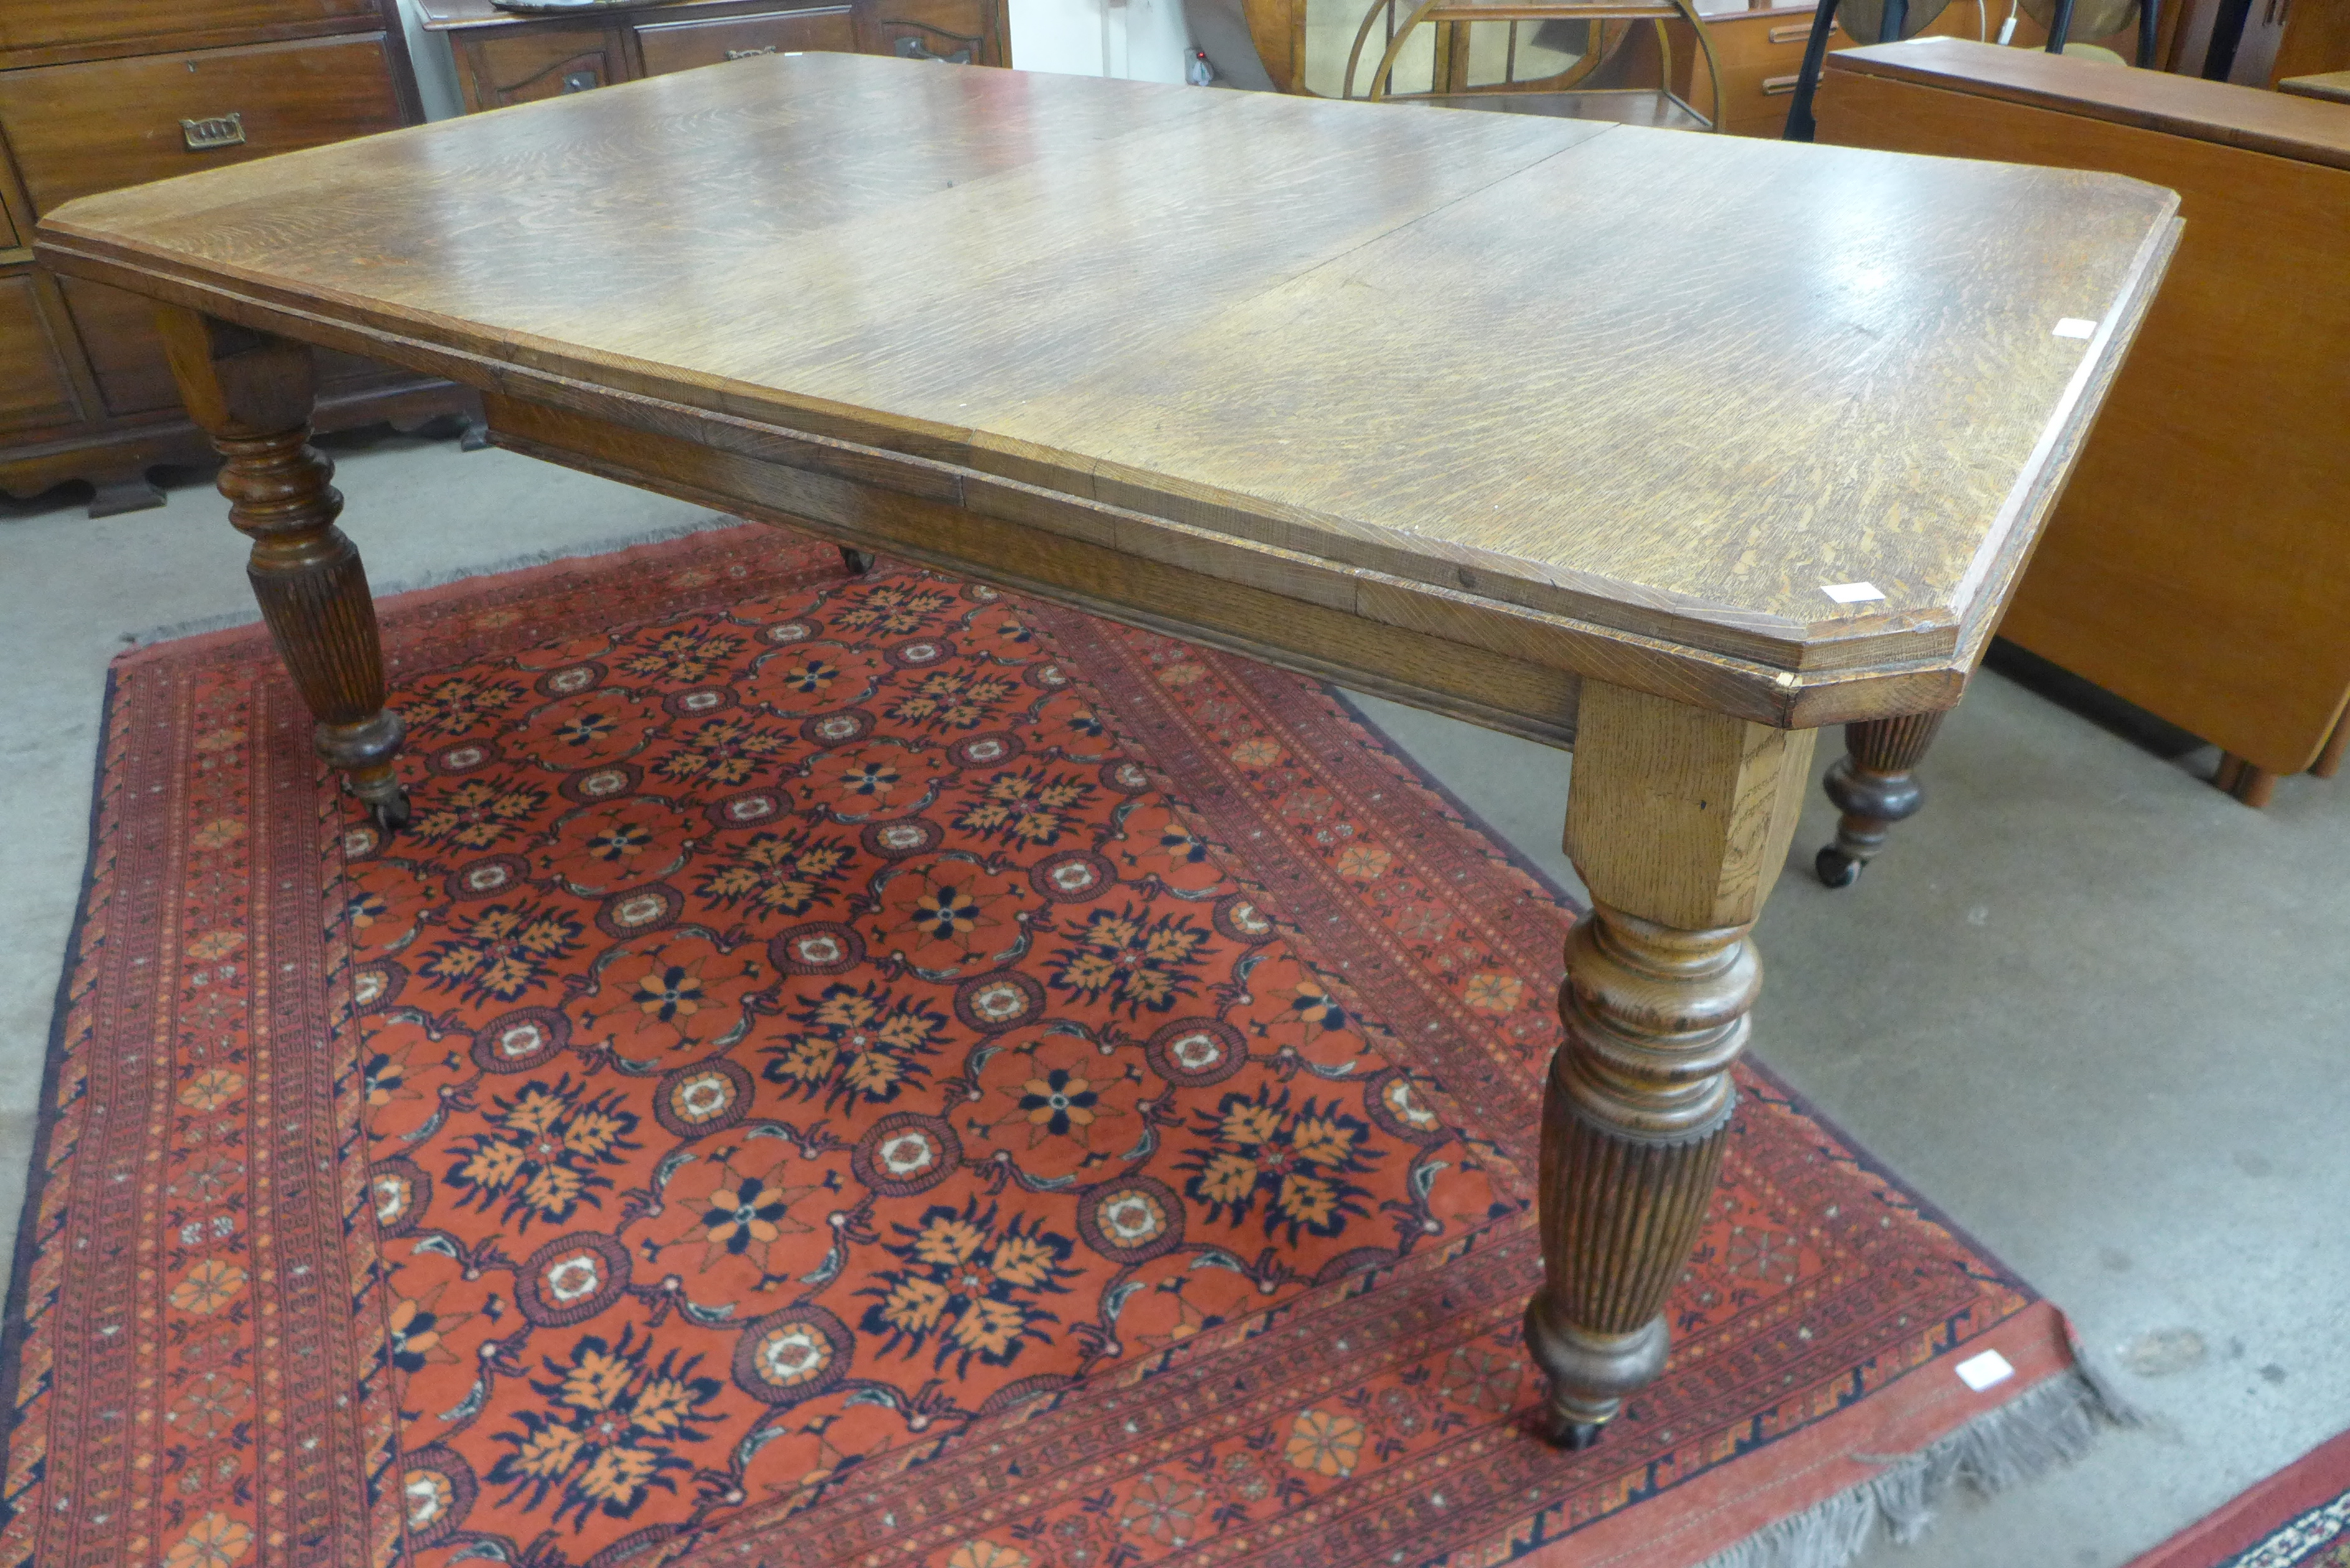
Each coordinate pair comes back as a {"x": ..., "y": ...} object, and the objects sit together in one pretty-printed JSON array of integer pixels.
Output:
[
  {"x": 253, "y": 394},
  {"x": 1873, "y": 784},
  {"x": 1679, "y": 821}
]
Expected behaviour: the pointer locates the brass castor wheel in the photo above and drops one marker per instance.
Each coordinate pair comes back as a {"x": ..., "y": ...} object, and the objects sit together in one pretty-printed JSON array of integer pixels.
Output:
[
  {"x": 392, "y": 814},
  {"x": 1837, "y": 868},
  {"x": 1578, "y": 1435},
  {"x": 858, "y": 562}
]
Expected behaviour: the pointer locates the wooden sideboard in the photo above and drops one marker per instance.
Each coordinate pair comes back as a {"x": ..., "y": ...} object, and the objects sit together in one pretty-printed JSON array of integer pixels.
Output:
[
  {"x": 96, "y": 94},
  {"x": 1761, "y": 49},
  {"x": 2199, "y": 562},
  {"x": 505, "y": 58}
]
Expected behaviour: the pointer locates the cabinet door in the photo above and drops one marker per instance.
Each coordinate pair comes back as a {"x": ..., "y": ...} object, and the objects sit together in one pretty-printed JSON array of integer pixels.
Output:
[
  {"x": 107, "y": 123},
  {"x": 521, "y": 65},
  {"x": 682, "y": 46},
  {"x": 966, "y": 32},
  {"x": 35, "y": 390}
]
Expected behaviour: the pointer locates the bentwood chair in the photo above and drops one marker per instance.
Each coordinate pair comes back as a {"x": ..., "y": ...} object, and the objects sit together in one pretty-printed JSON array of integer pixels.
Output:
[{"x": 1607, "y": 26}]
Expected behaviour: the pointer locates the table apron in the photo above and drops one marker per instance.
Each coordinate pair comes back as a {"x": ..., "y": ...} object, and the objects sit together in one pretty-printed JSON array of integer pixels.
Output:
[{"x": 1481, "y": 658}]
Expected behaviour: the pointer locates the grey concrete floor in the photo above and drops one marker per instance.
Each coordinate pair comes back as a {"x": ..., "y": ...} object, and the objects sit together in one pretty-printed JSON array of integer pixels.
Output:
[{"x": 2095, "y": 1010}]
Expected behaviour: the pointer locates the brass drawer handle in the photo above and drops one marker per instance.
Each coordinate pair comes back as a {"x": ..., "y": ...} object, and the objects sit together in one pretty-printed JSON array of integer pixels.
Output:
[
  {"x": 1795, "y": 33},
  {"x": 748, "y": 54},
  {"x": 1773, "y": 86},
  {"x": 223, "y": 130}
]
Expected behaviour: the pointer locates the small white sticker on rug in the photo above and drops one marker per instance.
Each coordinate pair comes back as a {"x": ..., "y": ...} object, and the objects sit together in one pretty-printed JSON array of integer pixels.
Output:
[
  {"x": 2073, "y": 327},
  {"x": 1981, "y": 1372},
  {"x": 1851, "y": 593}
]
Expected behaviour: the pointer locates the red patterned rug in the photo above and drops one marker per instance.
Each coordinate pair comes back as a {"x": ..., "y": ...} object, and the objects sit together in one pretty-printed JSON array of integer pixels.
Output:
[
  {"x": 880, "y": 1073},
  {"x": 2298, "y": 1518}
]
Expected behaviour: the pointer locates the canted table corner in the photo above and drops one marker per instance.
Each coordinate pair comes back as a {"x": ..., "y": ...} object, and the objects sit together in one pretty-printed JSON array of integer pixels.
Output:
[{"x": 1563, "y": 429}]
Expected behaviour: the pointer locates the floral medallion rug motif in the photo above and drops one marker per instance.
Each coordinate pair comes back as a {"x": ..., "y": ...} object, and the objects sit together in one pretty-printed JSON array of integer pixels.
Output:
[{"x": 869, "y": 1072}]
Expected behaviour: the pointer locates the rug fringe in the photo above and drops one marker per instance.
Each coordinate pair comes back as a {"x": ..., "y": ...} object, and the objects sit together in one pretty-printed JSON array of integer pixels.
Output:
[
  {"x": 712, "y": 522},
  {"x": 2025, "y": 1439}
]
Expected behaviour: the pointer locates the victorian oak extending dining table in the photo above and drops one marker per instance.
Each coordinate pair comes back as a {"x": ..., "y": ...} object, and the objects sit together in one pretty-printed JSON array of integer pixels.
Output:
[{"x": 1674, "y": 448}]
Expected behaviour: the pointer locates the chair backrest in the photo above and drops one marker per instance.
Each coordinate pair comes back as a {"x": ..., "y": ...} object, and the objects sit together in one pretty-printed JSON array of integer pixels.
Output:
[
  {"x": 1864, "y": 19},
  {"x": 2091, "y": 18}
]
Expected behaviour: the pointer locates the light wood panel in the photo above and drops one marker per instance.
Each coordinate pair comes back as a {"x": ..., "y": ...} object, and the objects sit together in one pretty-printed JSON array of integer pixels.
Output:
[
  {"x": 2185, "y": 107},
  {"x": 2199, "y": 565}
]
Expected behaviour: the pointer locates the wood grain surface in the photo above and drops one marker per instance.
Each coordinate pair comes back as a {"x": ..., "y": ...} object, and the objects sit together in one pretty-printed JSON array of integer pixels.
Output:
[
  {"x": 2332, "y": 86},
  {"x": 1662, "y": 389},
  {"x": 2199, "y": 565}
]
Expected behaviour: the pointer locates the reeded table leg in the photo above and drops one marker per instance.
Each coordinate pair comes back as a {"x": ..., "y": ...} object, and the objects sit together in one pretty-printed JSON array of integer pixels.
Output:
[
  {"x": 1679, "y": 821},
  {"x": 1874, "y": 786},
  {"x": 253, "y": 394}
]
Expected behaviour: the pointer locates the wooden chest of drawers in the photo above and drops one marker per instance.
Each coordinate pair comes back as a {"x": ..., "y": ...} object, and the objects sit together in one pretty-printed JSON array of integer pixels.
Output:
[
  {"x": 502, "y": 58},
  {"x": 96, "y": 94}
]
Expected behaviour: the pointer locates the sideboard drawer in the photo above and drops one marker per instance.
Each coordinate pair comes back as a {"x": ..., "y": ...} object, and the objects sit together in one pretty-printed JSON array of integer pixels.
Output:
[
  {"x": 962, "y": 31},
  {"x": 50, "y": 24},
  {"x": 521, "y": 65},
  {"x": 37, "y": 393},
  {"x": 93, "y": 127},
  {"x": 682, "y": 46}
]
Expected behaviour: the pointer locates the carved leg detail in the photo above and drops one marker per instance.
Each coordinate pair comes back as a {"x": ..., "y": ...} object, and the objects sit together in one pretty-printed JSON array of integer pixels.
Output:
[
  {"x": 253, "y": 394},
  {"x": 858, "y": 562},
  {"x": 1679, "y": 821},
  {"x": 1873, "y": 784}
]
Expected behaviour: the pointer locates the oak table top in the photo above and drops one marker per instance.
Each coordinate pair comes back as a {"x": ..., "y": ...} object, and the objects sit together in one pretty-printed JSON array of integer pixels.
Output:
[
  {"x": 1646, "y": 394},
  {"x": 1562, "y": 427}
]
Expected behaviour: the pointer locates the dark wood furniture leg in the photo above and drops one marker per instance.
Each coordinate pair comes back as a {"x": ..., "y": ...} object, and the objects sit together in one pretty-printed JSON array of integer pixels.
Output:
[
  {"x": 2255, "y": 787},
  {"x": 1875, "y": 784},
  {"x": 253, "y": 393},
  {"x": 858, "y": 562},
  {"x": 2329, "y": 761},
  {"x": 1678, "y": 821},
  {"x": 128, "y": 491}
]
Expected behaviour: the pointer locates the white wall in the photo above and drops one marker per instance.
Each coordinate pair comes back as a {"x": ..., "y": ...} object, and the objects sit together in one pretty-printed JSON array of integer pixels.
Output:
[
  {"x": 436, "y": 69},
  {"x": 1142, "y": 39}
]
